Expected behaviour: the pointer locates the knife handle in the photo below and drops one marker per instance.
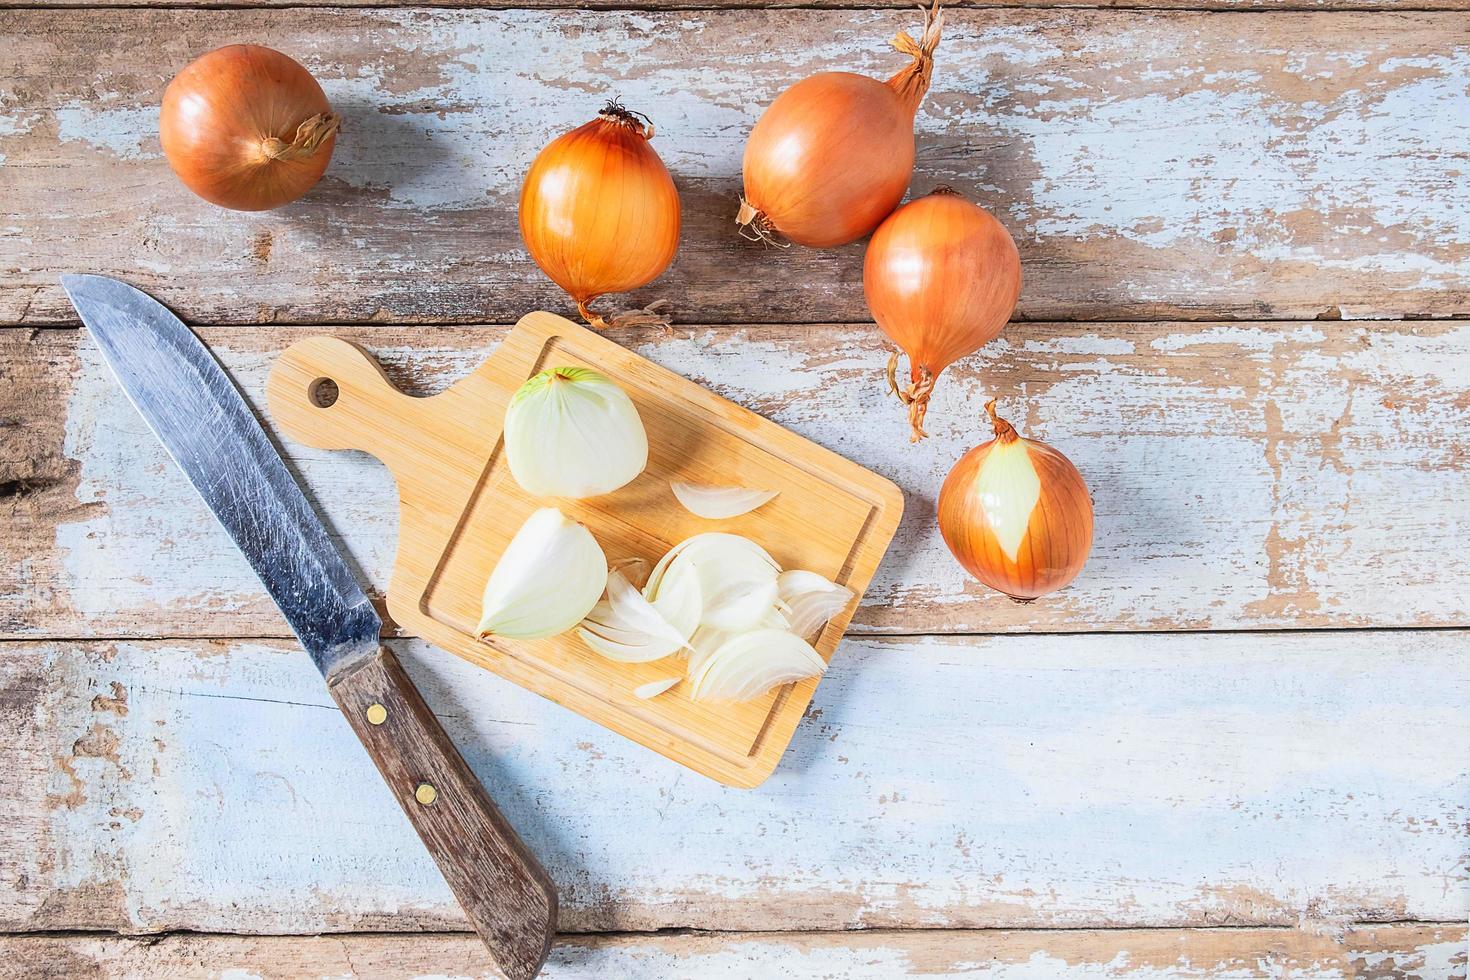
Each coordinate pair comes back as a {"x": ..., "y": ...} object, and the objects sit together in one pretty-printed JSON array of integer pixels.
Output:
[{"x": 509, "y": 899}]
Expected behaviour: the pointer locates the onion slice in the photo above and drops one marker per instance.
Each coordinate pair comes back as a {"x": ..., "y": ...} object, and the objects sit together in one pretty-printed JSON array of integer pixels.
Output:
[
  {"x": 737, "y": 579},
  {"x": 718, "y": 503},
  {"x": 811, "y": 601},
  {"x": 627, "y": 627},
  {"x": 654, "y": 688},
  {"x": 678, "y": 599},
  {"x": 750, "y": 664}
]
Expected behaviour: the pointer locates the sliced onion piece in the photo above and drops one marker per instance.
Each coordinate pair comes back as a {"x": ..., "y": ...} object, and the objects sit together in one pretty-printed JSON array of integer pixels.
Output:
[
  {"x": 741, "y": 605},
  {"x": 627, "y": 628},
  {"x": 718, "y": 503},
  {"x": 678, "y": 600},
  {"x": 703, "y": 548},
  {"x": 810, "y": 600},
  {"x": 702, "y": 646},
  {"x": 737, "y": 579},
  {"x": 750, "y": 664},
  {"x": 654, "y": 688}
]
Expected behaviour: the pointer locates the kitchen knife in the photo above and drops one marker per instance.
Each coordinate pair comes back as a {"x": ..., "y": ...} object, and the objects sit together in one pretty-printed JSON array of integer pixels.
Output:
[{"x": 202, "y": 420}]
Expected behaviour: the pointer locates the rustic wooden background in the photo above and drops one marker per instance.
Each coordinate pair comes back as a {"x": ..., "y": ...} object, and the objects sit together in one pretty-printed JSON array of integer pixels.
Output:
[{"x": 1239, "y": 745}]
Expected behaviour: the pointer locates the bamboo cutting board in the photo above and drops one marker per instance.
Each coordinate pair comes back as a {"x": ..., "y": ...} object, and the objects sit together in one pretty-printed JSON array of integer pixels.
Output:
[{"x": 459, "y": 507}]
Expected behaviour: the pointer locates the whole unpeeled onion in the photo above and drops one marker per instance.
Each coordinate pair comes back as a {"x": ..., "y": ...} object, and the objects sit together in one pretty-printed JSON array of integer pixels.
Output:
[
  {"x": 832, "y": 156},
  {"x": 599, "y": 212},
  {"x": 941, "y": 277},
  {"x": 247, "y": 128},
  {"x": 1016, "y": 514}
]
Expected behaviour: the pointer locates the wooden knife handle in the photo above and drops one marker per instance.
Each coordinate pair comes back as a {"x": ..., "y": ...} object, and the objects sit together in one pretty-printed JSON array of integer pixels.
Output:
[{"x": 509, "y": 899}]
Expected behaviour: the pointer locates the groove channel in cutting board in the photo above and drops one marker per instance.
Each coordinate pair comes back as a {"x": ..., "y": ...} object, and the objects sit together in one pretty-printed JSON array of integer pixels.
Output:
[{"x": 459, "y": 507}]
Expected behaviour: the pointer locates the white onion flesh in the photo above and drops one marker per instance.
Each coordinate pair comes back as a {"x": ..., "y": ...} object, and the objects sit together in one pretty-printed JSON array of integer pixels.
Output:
[
  {"x": 678, "y": 599},
  {"x": 744, "y": 622},
  {"x": 627, "y": 627},
  {"x": 750, "y": 664},
  {"x": 811, "y": 601},
  {"x": 719, "y": 503},
  {"x": 572, "y": 432},
  {"x": 737, "y": 579},
  {"x": 702, "y": 646},
  {"x": 548, "y": 578},
  {"x": 654, "y": 688}
]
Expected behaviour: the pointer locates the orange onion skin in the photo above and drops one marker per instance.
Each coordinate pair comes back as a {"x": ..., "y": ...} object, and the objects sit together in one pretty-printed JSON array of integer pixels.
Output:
[
  {"x": 830, "y": 158},
  {"x": 599, "y": 212},
  {"x": 1058, "y": 536},
  {"x": 232, "y": 128},
  {"x": 941, "y": 277}
]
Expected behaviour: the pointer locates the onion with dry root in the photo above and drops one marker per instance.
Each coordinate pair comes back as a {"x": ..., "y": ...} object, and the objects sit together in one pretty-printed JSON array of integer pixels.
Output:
[
  {"x": 1016, "y": 514},
  {"x": 247, "y": 128},
  {"x": 600, "y": 214},
  {"x": 833, "y": 155},
  {"x": 941, "y": 277}
]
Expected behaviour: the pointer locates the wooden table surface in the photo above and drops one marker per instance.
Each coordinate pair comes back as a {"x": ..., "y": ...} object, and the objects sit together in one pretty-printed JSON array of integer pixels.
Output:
[{"x": 1239, "y": 745}]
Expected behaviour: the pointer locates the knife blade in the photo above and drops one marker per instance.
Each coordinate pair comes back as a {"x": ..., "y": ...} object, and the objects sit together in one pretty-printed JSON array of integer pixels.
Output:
[{"x": 202, "y": 419}]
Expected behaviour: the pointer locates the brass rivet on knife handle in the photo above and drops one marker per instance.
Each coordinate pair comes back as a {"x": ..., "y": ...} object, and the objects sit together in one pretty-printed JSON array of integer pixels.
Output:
[
  {"x": 426, "y": 793},
  {"x": 376, "y": 714}
]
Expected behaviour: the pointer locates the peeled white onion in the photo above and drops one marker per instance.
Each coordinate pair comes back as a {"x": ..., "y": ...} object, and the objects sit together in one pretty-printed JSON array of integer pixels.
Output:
[
  {"x": 549, "y": 577},
  {"x": 572, "y": 432}
]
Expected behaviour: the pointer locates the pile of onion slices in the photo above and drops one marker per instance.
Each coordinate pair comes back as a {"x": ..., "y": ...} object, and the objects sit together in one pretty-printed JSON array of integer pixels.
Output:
[
  {"x": 723, "y": 602},
  {"x": 718, "y": 600}
]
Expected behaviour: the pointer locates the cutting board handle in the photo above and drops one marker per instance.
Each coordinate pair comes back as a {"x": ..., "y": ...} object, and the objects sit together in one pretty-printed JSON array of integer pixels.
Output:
[{"x": 332, "y": 394}]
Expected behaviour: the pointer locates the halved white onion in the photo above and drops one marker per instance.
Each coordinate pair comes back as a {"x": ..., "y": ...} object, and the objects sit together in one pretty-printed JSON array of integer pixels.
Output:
[
  {"x": 749, "y": 664},
  {"x": 719, "y": 503}
]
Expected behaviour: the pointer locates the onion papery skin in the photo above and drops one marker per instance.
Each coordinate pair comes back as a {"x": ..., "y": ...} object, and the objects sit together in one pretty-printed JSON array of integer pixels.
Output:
[
  {"x": 247, "y": 128},
  {"x": 941, "y": 277},
  {"x": 833, "y": 155},
  {"x": 830, "y": 159},
  {"x": 1057, "y": 534},
  {"x": 599, "y": 212}
]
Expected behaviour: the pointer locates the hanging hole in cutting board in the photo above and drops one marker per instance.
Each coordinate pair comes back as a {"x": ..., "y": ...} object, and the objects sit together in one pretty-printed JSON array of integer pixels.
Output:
[{"x": 323, "y": 392}]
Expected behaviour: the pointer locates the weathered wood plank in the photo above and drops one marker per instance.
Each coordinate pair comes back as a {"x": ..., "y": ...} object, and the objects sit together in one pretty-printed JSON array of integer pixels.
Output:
[
  {"x": 1079, "y": 781},
  {"x": 1429, "y": 952},
  {"x": 1245, "y": 476},
  {"x": 655, "y": 5},
  {"x": 1150, "y": 165}
]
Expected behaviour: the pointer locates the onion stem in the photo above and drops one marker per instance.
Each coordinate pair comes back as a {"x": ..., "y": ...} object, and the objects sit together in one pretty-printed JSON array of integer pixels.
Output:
[
  {"x": 310, "y": 136},
  {"x": 1004, "y": 431}
]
